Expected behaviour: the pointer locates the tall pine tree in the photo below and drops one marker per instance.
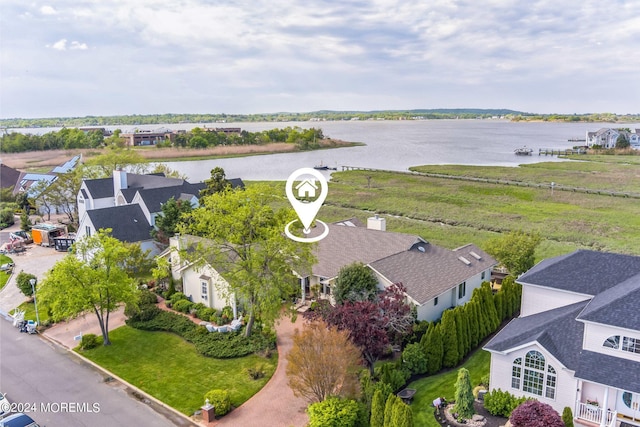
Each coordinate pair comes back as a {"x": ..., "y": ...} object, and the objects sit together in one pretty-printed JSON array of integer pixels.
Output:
[
  {"x": 450, "y": 340},
  {"x": 377, "y": 409},
  {"x": 434, "y": 348},
  {"x": 464, "y": 395}
]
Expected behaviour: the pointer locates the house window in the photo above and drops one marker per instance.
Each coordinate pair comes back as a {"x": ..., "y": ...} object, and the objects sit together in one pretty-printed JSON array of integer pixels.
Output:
[
  {"x": 612, "y": 342},
  {"x": 631, "y": 344},
  {"x": 537, "y": 378},
  {"x": 462, "y": 290},
  {"x": 87, "y": 230},
  {"x": 516, "y": 373},
  {"x": 435, "y": 301},
  {"x": 205, "y": 290},
  {"x": 482, "y": 276}
]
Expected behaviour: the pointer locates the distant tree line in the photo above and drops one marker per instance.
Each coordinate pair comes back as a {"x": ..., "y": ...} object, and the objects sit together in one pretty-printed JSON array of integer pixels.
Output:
[{"x": 72, "y": 138}]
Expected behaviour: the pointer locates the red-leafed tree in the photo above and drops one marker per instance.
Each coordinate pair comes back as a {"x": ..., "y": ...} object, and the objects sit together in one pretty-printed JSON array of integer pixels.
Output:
[
  {"x": 533, "y": 413},
  {"x": 372, "y": 325}
]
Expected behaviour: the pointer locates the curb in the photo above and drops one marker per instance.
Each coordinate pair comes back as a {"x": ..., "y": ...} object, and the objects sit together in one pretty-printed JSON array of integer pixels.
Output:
[{"x": 127, "y": 384}]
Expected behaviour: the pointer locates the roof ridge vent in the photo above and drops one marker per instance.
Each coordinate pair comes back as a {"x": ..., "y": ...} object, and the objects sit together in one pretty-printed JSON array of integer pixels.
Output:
[
  {"x": 464, "y": 260},
  {"x": 475, "y": 255}
]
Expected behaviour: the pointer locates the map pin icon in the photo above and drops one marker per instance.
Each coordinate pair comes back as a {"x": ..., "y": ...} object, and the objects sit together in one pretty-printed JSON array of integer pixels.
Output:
[{"x": 307, "y": 195}]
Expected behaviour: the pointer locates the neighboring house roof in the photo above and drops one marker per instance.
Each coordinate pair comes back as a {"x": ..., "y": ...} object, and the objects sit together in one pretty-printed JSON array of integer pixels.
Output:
[
  {"x": 614, "y": 306},
  {"x": 67, "y": 166},
  {"x": 427, "y": 271},
  {"x": 8, "y": 176},
  {"x": 100, "y": 188},
  {"x": 618, "y": 372},
  {"x": 28, "y": 179},
  {"x": 556, "y": 330},
  {"x": 127, "y": 222},
  {"x": 584, "y": 272},
  {"x": 154, "y": 198},
  {"x": 346, "y": 245}
]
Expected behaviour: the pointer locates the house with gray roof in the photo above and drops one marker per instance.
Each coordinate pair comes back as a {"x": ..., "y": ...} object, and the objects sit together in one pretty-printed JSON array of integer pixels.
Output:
[
  {"x": 576, "y": 342},
  {"x": 435, "y": 278},
  {"x": 129, "y": 204}
]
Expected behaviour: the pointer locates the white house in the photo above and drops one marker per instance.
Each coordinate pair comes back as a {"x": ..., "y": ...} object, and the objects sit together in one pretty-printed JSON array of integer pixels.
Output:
[
  {"x": 435, "y": 278},
  {"x": 607, "y": 137},
  {"x": 576, "y": 343},
  {"x": 201, "y": 282},
  {"x": 129, "y": 203}
]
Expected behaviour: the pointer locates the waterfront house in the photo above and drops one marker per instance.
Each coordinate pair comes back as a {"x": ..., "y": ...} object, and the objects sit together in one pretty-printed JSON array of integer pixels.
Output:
[
  {"x": 129, "y": 203},
  {"x": 576, "y": 342}
]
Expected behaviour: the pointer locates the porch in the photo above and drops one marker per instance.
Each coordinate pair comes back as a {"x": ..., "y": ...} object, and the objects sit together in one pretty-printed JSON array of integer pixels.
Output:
[{"x": 591, "y": 415}]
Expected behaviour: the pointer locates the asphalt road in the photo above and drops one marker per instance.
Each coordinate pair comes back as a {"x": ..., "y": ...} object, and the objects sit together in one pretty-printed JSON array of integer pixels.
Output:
[{"x": 58, "y": 389}]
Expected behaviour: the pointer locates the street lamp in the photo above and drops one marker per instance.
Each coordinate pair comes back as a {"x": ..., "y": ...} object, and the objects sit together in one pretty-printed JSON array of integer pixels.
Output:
[{"x": 35, "y": 302}]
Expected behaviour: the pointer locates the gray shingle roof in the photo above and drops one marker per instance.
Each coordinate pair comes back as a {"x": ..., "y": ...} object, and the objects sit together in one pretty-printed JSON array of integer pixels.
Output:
[
  {"x": 556, "y": 330},
  {"x": 100, "y": 188},
  {"x": 8, "y": 176},
  {"x": 617, "y": 306},
  {"x": 127, "y": 222},
  {"x": 346, "y": 245},
  {"x": 584, "y": 272},
  {"x": 619, "y": 373},
  {"x": 427, "y": 270},
  {"x": 154, "y": 198}
]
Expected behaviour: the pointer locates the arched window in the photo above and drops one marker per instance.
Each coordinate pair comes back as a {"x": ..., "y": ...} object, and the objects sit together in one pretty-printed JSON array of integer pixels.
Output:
[
  {"x": 612, "y": 342},
  {"x": 538, "y": 378}
]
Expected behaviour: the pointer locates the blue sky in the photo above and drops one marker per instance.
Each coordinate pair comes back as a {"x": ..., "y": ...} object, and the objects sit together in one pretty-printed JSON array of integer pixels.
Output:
[{"x": 107, "y": 57}]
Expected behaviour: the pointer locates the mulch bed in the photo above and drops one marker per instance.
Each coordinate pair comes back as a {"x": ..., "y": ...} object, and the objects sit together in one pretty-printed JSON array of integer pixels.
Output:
[{"x": 491, "y": 420}]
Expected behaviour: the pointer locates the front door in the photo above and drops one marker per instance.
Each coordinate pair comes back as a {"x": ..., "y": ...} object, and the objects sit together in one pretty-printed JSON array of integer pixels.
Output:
[{"x": 628, "y": 404}]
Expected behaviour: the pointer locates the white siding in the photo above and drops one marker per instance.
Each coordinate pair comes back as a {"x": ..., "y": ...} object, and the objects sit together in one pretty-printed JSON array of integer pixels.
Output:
[
  {"x": 430, "y": 312},
  {"x": 566, "y": 384},
  {"x": 536, "y": 299},
  {"x": 217, "y": 288},
  {"x": 596, "y": 334}
]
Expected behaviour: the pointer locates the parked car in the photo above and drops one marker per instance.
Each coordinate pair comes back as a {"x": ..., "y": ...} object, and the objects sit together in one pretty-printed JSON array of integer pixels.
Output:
[
  {"x": 6, "y": 267},
  {"x": 18, "y": 420}
]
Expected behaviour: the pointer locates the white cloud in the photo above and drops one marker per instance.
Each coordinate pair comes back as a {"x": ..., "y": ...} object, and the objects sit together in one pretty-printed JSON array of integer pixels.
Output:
[
  {"x": 78, "y": 46},
  {"x": 47, "y": 10},
  {"x": 60, "y": 45}
]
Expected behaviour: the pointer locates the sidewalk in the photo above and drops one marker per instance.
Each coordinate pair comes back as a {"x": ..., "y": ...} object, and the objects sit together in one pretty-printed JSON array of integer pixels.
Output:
[{"x": 64, "y": 333}]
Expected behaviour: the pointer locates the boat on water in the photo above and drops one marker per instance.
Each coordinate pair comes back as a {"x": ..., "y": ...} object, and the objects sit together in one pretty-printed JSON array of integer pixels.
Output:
[
  {"x": 322, "y": 167},
  {"x": 523, "y": 151}
]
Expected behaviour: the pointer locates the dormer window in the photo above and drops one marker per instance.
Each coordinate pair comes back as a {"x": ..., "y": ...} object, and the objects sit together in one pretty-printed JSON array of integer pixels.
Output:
[{"x": 632, "y": 345}]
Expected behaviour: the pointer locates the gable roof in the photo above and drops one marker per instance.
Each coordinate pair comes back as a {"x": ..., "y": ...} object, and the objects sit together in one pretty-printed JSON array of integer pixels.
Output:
[
  {"x": 584, "y": 272},
  {"x": 8, "y": 176},
  {"x": 99, "y": 188},
  {"x": 618, "y": 306},
  {"x": 154, "y": 198},
  {"x": 346, "y": 245},
  {"x": 556, "y": 330},
  {"x": 127, "y": 222},
  {"x": 427, "y": 271}
]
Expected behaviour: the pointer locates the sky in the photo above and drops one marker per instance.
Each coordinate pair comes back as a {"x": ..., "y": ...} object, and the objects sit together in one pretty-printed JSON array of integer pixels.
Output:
[{"x": 68, "y": 58}]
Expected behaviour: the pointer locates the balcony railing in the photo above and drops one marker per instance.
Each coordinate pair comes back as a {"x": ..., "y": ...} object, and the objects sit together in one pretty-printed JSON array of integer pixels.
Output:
[{"x": 594, "y": 414}]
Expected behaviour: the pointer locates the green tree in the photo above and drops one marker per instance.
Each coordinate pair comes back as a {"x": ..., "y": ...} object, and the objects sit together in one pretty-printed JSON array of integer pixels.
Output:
[
  {"x": 434, "y": 348},
  {"x": 244, "y": 238},
  {"x": 567, "y": 417},
  {"x": 414, "y": 358},
  {"x": 377, "y": 409},
  {"x": 355, "y": 282},
  {"x": 451, "y": 355},
  {"x": 622, "y": 141},
  {"x": 217, "y": 183},
  {"x": 515, "y": 250},
  {"x": 388, "y": 410},
  {"x": 401, "y": 415},
  {"x": 25, "y": 221},
  {"x": 333, "y": 412},
  {"x": 92, "y": 278},
  {"x": 173, "y": 213},
  {"x": 464, "y": 395},
  {"x": 41, "y": 197},
  {"x": 103, "y": 165},
  {"x": 63, "y": 193},
  {"x": 23, "y": 281}
]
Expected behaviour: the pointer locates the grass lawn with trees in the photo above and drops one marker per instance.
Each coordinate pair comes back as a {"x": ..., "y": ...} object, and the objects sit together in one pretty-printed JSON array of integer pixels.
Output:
[
  {"x": 443, "y": 385},
  {"x": 30, "y": 311},
  {"x": 170, "y": 369}
]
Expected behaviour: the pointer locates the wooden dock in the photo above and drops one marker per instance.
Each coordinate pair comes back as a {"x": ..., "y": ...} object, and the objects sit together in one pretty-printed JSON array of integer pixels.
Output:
[{"x": 567, "y": 152}]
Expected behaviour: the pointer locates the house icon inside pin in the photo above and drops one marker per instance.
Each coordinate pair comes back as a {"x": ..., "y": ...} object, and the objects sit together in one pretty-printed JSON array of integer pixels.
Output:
[{"x": 307, "y": 188}]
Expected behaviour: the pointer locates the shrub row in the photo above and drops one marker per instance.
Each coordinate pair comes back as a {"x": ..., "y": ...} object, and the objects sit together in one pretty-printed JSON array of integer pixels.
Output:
[
  {"x": 179, "y": 302},
  {"x": 211, "y": 344},
  {"x": 501, "y": 403}
]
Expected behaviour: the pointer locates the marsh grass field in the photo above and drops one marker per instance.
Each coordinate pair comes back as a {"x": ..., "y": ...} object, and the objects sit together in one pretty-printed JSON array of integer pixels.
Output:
[{"x": 451, "y": 212}]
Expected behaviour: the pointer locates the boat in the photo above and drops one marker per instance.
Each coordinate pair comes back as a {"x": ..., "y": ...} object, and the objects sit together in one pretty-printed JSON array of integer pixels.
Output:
[
  {"x": 523, "y": 151},
  {"x": 322, "y": 167}
]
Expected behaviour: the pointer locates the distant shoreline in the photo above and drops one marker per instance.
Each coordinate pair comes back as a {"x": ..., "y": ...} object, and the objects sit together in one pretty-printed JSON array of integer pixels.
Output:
[{"x": 51, "y": 158}]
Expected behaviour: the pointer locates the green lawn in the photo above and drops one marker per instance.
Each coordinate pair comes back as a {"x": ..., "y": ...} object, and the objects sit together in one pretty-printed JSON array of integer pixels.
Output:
[
  {"x": 442, "y": 385},
  {"x": 4, "y": 275},
  {"x": 30, "y": 311},
  {"x": 169, "y": 368}
]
